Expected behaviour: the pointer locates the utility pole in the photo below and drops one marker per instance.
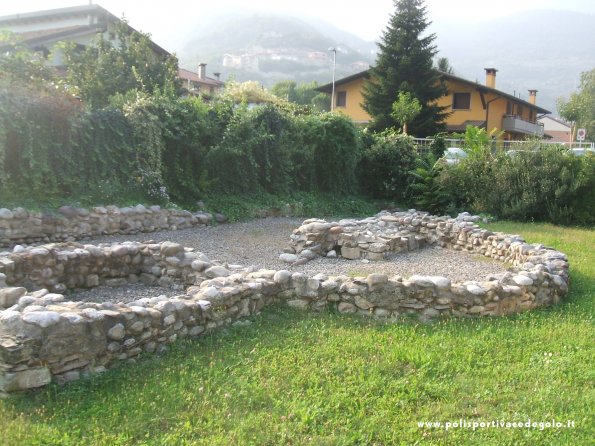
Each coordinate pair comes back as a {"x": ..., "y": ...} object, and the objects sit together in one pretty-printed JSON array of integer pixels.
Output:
[{"x": 334, "y": 50}]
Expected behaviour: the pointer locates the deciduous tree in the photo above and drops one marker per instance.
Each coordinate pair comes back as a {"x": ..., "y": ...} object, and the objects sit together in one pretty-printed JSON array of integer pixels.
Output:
[
  {"x": 105, "y": 69},
  {"x": 580, "y": 107}
]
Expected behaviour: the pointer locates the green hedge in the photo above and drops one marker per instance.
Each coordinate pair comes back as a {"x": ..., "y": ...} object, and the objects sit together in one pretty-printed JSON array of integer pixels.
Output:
[{"x": 159, "y": 149}]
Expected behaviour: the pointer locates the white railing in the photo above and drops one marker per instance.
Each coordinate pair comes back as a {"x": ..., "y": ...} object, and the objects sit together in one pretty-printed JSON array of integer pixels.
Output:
[{"x": 423, "y": 144}]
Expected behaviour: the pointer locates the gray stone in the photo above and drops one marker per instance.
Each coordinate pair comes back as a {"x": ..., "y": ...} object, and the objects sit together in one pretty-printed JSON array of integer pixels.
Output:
[
  {"x": 345, "y": 307},
  {"x": 376, "y": 279},
  {"x": 42, "y": 318},
  {"x": 282, "y": 277},
  {"x": 217, "y": 271},
  {"x": 476, "y": 289},
  {"x": 299, "y": 304},
  {"x": 362, "y": 303},
  {"x": 350, "y": 253},
  {"x": 117, "y": 332},
  {"x": 199, "y": 265},
  {"x": 288, "y": 258},
  {"x": 220, "y": 218},
  {"x": 440, "y": 282},
  {"x": 522, "y": 280},
  {"x": 332, "y": 254},
  {"x": 26, "y": 379},
  {"x": 422, "y": 281},
  {"x": 170, "y": 249},
  {"x": 6, "y": 214},
  {"x": 308, "y": 254},
  {"x": 10, "y": 296},
  {"x": 381, "y": 312}
]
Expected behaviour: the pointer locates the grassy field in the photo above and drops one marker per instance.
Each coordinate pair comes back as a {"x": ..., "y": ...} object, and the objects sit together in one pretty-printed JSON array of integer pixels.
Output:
[{"x": 327, "y": 379}]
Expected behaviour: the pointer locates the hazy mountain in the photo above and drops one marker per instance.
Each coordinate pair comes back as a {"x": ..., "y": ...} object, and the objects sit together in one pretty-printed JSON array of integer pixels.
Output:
[
  {"x": 543, "y": 50},
  {"x": 269, "y": 48}
]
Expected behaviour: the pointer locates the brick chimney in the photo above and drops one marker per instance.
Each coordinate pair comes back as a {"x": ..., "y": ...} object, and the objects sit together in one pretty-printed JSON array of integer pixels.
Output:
[
  {"x": 491, "y": 77},
  {"x": 202, "y": 70},
  {"x": 532, "y": 96}
]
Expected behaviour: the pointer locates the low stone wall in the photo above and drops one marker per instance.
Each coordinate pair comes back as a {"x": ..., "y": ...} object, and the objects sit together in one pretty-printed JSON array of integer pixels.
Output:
[
  {"x": 43, "y": 336},
  {"x": 19, "y": 226}
]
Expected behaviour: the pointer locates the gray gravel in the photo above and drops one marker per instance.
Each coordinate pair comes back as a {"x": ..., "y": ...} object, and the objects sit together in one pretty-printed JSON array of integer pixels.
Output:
[
  {"x": 122, "y": 294},
  {"x": 259, "y": 243}
]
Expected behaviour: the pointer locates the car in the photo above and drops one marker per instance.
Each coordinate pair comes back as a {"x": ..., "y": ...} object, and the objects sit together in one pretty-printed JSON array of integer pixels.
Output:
[
  {"x": 582, "y": 151},
  {"x": 453, "y": 155}
]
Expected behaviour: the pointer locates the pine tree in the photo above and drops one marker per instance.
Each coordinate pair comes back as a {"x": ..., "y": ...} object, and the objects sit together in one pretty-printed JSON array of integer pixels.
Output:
[{"x": 405, "y": 65}]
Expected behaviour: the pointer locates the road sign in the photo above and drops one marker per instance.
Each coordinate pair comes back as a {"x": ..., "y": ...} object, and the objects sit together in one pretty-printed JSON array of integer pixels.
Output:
[{"x": 580, "y": 134}]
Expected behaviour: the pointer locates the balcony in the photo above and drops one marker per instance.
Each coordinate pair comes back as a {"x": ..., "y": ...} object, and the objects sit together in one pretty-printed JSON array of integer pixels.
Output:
[{"x": 518, "y": 125}]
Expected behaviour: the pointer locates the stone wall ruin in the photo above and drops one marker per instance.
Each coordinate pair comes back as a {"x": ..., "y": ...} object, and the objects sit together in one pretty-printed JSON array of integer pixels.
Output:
[{"x": 45, "y": 337}]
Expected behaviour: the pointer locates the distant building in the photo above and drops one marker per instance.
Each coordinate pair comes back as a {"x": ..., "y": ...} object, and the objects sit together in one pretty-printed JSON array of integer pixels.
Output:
[
  {"x": 41, "y": 30},
  {"x": 556, "y": 130},
  {"x": 469, "y": 103},
  {"x": 199, "y": 84}
]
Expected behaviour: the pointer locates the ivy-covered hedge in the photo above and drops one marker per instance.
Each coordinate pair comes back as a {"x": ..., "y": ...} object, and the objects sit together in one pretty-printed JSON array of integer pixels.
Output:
[{"x": 157, "y": 149}]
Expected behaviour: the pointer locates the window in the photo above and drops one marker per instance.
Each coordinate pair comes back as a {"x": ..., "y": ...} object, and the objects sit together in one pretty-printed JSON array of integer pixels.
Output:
[
  {"x": 341, "y": 99},
  {"x": 519, "y": 111},
  {"x": 509, "y": 108},
  {"x": 461, "y": 101}
]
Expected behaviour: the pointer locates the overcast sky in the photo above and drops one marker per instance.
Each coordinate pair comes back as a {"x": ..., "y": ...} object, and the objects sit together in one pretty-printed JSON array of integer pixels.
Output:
[{"x": 165, "y": 18}]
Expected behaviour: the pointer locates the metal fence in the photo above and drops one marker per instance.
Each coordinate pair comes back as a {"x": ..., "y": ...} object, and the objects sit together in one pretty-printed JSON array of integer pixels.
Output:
[{"x": 424, "y": 144}]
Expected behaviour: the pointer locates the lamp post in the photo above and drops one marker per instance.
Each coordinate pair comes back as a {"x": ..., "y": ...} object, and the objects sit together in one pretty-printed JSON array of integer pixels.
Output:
[{"x": 334, "y": 50}]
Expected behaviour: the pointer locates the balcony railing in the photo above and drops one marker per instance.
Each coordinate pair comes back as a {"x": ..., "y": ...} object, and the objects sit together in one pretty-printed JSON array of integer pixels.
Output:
[{"x": 514, "y": 124}]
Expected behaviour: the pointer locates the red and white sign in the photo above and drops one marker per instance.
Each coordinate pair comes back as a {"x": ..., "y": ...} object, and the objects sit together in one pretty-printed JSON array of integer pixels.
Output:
[{"x": 580, "y": 134}]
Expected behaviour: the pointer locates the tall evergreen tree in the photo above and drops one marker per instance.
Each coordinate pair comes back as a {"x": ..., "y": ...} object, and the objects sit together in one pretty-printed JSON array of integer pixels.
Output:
[{"x": 405, "y": 65}]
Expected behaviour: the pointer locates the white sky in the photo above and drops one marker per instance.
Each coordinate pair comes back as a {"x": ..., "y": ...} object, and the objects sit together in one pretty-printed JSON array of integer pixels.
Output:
[{"x": 164, "y": 19}]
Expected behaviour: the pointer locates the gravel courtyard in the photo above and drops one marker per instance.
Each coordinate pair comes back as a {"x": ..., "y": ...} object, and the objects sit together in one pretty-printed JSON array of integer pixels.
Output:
[{"x": 259, "y": 243}]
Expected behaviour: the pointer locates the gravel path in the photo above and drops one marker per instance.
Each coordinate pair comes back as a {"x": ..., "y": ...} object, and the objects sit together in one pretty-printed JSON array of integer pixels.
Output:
[{"x": 259, "y": 243}]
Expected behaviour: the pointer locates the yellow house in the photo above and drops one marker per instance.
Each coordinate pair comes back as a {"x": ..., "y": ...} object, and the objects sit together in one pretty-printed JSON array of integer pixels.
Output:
[{"x": 469, "y": 103}]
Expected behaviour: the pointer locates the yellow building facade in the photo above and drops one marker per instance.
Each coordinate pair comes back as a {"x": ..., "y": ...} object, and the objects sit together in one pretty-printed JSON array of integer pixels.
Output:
[{"x": 468, "y": 103}]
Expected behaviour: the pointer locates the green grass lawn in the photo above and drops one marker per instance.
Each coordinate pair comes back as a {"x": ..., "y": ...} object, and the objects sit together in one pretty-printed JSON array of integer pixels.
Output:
[{"x": 328, "y": 379}]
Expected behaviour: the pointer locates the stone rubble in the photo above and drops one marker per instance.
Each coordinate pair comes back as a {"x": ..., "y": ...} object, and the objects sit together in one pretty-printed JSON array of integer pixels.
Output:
[
  {"x": 45, "y": 337},
  {"x": 19, "y": 226}
]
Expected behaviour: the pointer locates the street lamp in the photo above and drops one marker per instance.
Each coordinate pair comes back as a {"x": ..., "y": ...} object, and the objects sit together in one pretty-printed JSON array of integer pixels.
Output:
[{"x": 334, "y": 50}]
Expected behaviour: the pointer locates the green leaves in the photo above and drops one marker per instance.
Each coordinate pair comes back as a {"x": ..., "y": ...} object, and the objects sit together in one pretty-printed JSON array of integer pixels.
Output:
[
  {"x": 104, "y": 69},
  {"x": 580, "y": 107}
]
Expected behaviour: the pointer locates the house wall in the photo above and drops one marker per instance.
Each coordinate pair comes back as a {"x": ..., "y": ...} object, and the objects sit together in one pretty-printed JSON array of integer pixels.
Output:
[
  {"x": 354, "y": 101},
  {"x": 497, "y": 105}
]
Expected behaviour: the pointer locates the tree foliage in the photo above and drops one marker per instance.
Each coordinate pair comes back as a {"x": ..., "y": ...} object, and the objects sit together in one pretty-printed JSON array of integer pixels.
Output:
[
  {"x": 443, "y": 64},
  {"x": 405, "y": 65},
  {"x": 405, "y": 108},
  {"x": 302, "y": 94},
  {"x": 580, "y": 107},
  {"x": 105, "y": 69}
]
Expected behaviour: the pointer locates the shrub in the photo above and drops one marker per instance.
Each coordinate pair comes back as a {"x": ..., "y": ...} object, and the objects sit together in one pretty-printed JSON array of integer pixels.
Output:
[
  {"x": 386, "y": 163},
  {"x": 35, "y": 140},
  {"x": 335, "y": 145},
  {"x": 549, "y": 184}
]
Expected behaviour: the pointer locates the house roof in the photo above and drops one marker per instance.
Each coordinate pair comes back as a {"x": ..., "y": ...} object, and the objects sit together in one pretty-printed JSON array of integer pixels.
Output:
[
  {"x": 558, "y": 120},
  {"x": 486, "y": 89},
  {"x": 72, "y": 11},
  {"x": 46, "y": 35},
  {"x": 327, "y": 88},
  {"x": 191, "y": 76}
]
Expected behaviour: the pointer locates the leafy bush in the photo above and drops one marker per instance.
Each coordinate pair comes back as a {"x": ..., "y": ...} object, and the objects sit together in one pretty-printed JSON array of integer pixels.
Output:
[
  {"x": 549, "y": 184},
  {"x": 335, "y": 146},
  {"x": 252, "y": 153},
  {"x": 35, "y": 140},
  {"x": 386, "y": 163}
]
